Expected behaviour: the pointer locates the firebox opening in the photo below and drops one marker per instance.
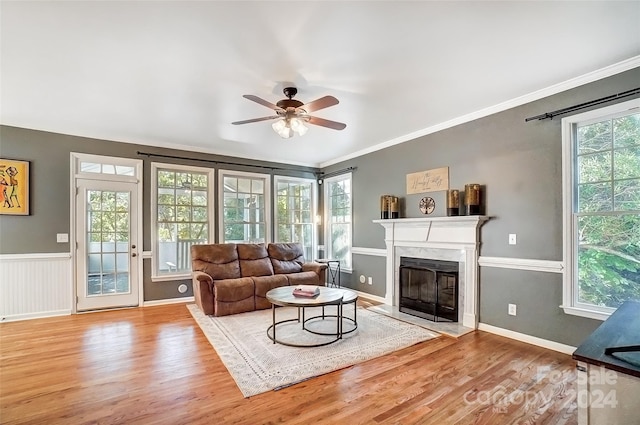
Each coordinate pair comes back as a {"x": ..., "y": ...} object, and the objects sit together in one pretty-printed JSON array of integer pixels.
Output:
[{"x": 429, "y": 289}]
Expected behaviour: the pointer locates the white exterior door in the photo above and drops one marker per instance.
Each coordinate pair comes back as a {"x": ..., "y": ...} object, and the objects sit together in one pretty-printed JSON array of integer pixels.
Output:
[
  {"x": 107, "y": 245},
  {"x": 107, "y": 230}
]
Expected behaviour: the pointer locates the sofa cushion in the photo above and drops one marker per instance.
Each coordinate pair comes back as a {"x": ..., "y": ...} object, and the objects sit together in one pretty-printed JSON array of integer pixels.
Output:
[
  {"x": 263, "y": 285},
  {"x": 220, "y": 261},
  {"x": 286, "y": 257},
  {"x": 254, "y": 260},
  {"x": 304, "y": 278},
  {"x": 233, "y": 296}
]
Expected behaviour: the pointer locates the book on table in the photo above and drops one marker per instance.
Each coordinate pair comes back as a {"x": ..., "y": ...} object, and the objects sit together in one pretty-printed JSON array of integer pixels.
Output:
[{"x": 306, "y": 291}]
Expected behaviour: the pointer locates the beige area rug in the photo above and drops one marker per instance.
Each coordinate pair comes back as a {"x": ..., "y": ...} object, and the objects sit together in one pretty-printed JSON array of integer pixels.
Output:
[{"x": 258, "y": 365}]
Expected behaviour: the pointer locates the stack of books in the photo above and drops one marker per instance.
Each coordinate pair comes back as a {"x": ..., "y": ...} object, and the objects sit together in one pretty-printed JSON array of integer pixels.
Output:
[{"x": 308, "y": 291}]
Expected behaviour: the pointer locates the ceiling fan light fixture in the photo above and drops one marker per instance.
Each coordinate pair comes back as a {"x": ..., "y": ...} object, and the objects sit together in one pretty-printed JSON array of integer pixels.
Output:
[
  {"x": 288, "y": 127},
  {"x": 286, "y": 133},
  {"x": 297, "y": 125},
  {"x": 279, "y": 125},
  {"x": 283, "y": 128}
]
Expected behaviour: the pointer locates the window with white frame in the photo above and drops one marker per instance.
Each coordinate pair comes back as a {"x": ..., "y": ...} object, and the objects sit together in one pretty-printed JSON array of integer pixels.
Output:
[
  {"x": 338, "y": 219},
  {"x": 245, "y": 207},
  {"x": 295, "y": 213},
  {"x": 182, "y": 216},
  {"x": 601, "y": 179}
]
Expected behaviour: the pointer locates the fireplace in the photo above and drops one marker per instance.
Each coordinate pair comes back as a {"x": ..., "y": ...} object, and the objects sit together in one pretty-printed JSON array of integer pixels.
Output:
[
  {"x": 443, "y": 239},
  {"x": 429, "y": 289}
]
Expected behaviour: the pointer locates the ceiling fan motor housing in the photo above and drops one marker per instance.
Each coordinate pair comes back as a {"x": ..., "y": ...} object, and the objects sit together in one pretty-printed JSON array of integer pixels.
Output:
[
  {"x": 290, "y": 92},
  {"x": 289, "y": 103}
]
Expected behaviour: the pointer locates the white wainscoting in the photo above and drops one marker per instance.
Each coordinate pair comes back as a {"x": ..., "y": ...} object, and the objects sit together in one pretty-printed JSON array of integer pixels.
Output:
[
  {"x": 35, "y": 285},
  {"x": 376, "y": 252},
  {"x": 547, "y": 266}
]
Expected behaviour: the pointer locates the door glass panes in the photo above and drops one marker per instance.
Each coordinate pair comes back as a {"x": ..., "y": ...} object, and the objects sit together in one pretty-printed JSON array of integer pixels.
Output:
[
  {"x": 182, "y": 217},
  {"x": 244, "y": 209},
  {"x": 294, "y": 213},
  {"x": 102, "y": 168},
  {"x": 107, "y": 238}
]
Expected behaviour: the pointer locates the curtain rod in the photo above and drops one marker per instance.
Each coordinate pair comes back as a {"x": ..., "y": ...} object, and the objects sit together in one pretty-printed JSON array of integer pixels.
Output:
[
  {"x": 213, "y": 161},
  {"x": 550, "y": 115},
  {"x": 321, "y": 176}
]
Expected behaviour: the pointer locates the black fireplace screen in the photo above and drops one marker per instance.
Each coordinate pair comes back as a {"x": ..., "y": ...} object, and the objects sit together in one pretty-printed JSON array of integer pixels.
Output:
[{"x": 429, "y": 288}]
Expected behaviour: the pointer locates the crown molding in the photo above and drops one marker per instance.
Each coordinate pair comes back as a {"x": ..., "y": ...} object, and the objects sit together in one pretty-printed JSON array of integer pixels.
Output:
[{"x": 590, "y": 77}]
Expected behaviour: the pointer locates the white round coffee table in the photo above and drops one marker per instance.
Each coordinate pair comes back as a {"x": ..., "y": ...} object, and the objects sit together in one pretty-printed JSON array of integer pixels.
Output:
[
  {"x": 283, "y": 296},
  {"x": 348, "y": 297}
]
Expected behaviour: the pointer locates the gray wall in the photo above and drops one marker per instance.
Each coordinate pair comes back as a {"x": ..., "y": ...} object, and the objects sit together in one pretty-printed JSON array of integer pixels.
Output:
[
  {"x": 520, "y": 167},
  {"x": 49, "y": 154},
  {"x": 518, "y": 164}
]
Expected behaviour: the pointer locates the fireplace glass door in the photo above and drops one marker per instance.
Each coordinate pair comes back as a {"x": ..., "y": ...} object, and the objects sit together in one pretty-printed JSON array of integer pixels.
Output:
[{"x": 429, "y": 289}]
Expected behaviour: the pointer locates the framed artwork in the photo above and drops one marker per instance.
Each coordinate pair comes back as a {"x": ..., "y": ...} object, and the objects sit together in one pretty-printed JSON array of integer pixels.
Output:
[{"x": 14, "y": 187}]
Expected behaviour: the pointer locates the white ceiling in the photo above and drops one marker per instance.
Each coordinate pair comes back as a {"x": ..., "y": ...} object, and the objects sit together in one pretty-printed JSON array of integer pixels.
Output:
[{"x": 173, "y": 73}]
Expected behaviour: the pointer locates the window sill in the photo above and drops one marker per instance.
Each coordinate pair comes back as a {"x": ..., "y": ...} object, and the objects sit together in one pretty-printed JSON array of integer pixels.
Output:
[
  {"x": 171, "y": 277},
  {"x": 582, "y": 312}
]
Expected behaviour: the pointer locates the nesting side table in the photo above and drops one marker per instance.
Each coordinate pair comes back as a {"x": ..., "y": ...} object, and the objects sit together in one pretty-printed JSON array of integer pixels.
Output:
[{"x": 333, "y": 271}]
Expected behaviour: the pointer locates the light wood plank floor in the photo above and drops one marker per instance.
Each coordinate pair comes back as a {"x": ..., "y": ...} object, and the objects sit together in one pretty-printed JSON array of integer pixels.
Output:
[{"x": 153, "y": 365}]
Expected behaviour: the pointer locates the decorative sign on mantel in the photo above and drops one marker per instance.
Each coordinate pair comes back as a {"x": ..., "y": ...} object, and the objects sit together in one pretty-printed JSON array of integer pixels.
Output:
[{"x": 428, "y": 181}]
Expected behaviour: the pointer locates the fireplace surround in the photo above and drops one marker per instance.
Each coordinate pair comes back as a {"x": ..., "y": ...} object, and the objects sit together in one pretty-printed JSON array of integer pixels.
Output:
[{"x": 455, "y": 239}]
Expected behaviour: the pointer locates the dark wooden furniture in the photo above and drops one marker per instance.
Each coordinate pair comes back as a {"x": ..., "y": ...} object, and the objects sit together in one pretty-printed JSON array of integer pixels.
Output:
[{"x": 608, "y": 370}]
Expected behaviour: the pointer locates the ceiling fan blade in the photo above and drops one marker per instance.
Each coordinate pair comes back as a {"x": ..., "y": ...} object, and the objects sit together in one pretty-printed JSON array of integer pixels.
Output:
[
  {"x": 323, "y": 102},
  {"x": 326, "y": 123},
  {"x": 256, "y": 120},
  {"x": 262, "y": 102}
]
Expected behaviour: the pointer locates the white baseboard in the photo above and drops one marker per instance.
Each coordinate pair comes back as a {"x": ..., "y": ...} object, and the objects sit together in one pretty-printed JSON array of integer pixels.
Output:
[
  {"x": 38, "y": 315},
  {"x": 533, "y": 340},
  {"x": 169, "y": 301},
  {"x": 367, "y": 296}
]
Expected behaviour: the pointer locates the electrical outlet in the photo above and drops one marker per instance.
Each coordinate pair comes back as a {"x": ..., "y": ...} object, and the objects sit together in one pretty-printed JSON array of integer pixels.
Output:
[
  {"x": 370, "y": 281},
  {"x": 512, "y": 238},
  {"x": 512, "y": 309}
]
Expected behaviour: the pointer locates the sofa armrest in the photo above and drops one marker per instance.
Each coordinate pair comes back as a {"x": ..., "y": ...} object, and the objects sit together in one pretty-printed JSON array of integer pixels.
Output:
[
  {"x": 319, "y": 268},
  {"x": 203, "y": 291}
]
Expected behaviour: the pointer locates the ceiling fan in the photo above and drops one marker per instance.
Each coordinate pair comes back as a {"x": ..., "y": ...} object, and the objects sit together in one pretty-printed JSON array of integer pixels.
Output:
[{"x": 293, "y": 114}]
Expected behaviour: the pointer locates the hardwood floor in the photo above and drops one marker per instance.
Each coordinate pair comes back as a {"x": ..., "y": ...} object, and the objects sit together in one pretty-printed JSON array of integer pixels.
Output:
[{"x": 153, "y": 365}]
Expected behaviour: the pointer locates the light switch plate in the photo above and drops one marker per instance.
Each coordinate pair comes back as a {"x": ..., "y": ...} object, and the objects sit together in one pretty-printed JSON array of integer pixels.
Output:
[
  {"x": 512, "y": 238},
  {"x": 62, "y": 237}
]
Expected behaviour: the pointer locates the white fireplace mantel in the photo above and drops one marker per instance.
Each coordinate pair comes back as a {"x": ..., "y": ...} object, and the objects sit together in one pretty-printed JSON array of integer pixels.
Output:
[{"x": 439, "y": 238}]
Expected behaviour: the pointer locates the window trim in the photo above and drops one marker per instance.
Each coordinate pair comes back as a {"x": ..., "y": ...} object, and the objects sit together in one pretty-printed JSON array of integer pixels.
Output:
[
  {"x": 327, "y": 232},
  {"x": 267, "y": 196},
  {"x": 570, "y": 304},
  {"x": 314, "y": 207},
  {"x": 155, "y": 166}
]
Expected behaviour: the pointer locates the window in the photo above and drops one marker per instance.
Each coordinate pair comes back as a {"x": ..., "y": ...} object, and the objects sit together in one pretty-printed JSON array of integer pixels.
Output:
[
  {"x": 246, "y": 206},
  {"x": 182, "y": 212},
  {"x": 601, "y": 158},
  {"x": 337, "y": 196},
  {"x": 295, "y": 213}
]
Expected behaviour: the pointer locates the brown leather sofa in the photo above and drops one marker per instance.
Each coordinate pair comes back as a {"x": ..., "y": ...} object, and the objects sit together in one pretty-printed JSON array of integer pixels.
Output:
[{"x": 235, "y": 278}]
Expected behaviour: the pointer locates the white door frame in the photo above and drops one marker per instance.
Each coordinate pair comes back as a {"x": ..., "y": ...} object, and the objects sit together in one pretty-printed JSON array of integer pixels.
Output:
[{"x": 77, "y": 172}]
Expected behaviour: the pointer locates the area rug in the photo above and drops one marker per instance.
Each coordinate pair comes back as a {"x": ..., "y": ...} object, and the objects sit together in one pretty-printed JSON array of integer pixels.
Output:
[{"x": 258, "y": 365}]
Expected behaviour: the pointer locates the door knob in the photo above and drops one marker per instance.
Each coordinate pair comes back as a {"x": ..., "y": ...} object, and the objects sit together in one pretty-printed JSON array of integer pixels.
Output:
[
  {"x": 134, "y": 255},
  {"x": 133, "y": 247}
]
